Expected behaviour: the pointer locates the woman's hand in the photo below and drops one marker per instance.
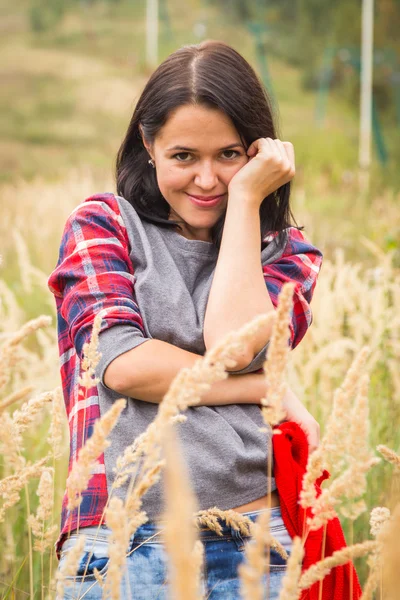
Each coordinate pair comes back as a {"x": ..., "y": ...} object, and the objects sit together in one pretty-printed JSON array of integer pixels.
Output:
[
  {"x": 296, "y": 411},
  {"x": 270, "y": 165}
]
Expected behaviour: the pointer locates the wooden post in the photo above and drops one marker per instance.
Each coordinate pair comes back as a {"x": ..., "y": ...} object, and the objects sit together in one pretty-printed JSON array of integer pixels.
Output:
[{"x": 367, "y": 41}]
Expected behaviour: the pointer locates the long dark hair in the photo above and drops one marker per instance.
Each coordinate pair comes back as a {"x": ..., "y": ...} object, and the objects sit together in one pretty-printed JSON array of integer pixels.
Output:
[{"x": 210, "y": 74}]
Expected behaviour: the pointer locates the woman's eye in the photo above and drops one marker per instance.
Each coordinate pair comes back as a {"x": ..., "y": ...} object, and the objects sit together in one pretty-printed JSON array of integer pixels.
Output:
[
  {"x": 234, "y": 152},
  {"x": 180, "y": 154}
]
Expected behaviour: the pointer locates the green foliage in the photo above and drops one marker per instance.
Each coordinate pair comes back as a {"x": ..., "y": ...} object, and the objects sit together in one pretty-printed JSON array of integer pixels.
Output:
[
  {"x": 301, "y": 31},
  {"x": 45, "y": 14}
]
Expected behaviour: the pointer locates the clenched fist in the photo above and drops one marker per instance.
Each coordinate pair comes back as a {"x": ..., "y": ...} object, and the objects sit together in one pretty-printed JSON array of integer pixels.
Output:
[{"x": 270, "y": 165}]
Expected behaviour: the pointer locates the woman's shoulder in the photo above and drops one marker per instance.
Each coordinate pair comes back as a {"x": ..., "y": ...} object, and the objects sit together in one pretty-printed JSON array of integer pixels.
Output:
[
  {"x": 99, "y": 216},
  {"x": 292, "y": 240},
  {"x": 102, "y": 201},
  {"x": 105, "y": 205}
]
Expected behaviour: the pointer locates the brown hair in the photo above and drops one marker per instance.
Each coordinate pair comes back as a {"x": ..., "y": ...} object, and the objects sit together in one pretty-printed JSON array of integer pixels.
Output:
[{"x": 210, "y": 74}]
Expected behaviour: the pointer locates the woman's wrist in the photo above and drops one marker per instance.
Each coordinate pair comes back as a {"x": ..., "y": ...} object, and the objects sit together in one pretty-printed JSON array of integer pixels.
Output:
[
  {"x": 254, "y": 387},
  {"x": 236, "y": 389}
]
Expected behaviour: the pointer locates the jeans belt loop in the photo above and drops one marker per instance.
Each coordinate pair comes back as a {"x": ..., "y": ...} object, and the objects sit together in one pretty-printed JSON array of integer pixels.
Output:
[{"x": 237, "y": 538}]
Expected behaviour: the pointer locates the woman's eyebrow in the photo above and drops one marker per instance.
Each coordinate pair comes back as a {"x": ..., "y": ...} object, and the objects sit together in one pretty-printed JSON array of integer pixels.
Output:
[{"x": 186, "y": 149}]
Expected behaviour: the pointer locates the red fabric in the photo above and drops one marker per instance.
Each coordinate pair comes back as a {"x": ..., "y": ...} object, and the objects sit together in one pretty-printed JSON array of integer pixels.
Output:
[{"x": 290, "y": 460}]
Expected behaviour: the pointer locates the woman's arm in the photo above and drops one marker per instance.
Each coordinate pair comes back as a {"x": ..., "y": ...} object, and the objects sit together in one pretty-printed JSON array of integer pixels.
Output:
[
  {"x": 297, "y": 412},
  {"x": 238, "y": 290},
  {"x": 243, "y": 287},
  {"x": 147, "y": 371}
]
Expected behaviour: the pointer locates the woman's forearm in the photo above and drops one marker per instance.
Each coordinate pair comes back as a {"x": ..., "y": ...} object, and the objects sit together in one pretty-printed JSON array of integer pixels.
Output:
[
  {"x": 147, "y": 371},
  {"x": 238, "y": 290},
  {"x": 237, "y": 389}
]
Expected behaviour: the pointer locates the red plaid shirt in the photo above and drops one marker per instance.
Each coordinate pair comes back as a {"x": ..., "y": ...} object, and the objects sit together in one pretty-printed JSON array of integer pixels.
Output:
[{"x": 94, "y": 272}]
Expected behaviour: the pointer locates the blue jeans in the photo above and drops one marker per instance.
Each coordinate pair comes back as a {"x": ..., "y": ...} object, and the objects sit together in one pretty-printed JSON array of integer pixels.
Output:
[{"x": 146, "y": 572}]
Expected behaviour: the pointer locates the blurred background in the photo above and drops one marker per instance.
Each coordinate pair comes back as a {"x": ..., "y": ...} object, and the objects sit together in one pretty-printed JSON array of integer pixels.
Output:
[{"x": 71, "y": 73}]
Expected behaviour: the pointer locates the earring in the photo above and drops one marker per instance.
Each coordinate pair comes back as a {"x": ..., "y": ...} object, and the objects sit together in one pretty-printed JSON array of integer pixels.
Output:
[{"x": 152, "y": 163}]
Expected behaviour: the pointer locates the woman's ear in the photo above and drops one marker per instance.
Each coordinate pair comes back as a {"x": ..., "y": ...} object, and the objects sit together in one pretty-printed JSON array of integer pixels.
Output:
[{"x": 146, "y": 145}]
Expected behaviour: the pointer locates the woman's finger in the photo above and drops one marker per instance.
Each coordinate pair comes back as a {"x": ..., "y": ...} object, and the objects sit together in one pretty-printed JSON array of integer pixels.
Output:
[
  {"x": 314, "y": 438},
  {"x": 274, "y": 150},
  {"x": 312, "y": 432},
  {"x": 256, "y": 146},
  {"x": 289, "y": 149},
  {"x": 281, "y": 149}
]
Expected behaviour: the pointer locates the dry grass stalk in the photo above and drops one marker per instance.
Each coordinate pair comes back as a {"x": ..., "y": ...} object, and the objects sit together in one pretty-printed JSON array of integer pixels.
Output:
[
  {"x": 237, "y": 520},
  {"x": 15, "y": 397},
  {"x": 58, "y": 416},
  {"x": 389, "y": 455},
  {"x": 126, "y": 462},
  {"x": 24, "y": 262},
  {"x": 390, "y": 557},
  {"x": 251, "y": 571},
  {"x": 11, "y": 442},
  {"x": 133, "y": 500},
  {"x": 91, "y": 356},
  {"x": 11, "y": 486},
  {"x": 44, "y": 535},
  {"x": 190, "y": 384},
  {"x": 8, "y": 352},
  {"x": 354, "y": 510},
  {"x": 81, "y": 471},
  {"x": 70, "y": 566},
  {"x": 13, "y": 315},
  {"x": 372, "y": 581},
  {"x": 116, "y": 518},
  {"x": 234, "y": 519},
  {"x": 197, "y": 563},
  {"x": 180, "y": 504},
  {"x": 318, "y": 571},
  {"x": 290, "y": 583},
  {"x": 332, "y": 447},
  {"x": 99, "y": 578},
  {"x": 25, "y": 416},
  {"x": 278, "y": 352},
  {"x": 379, "y": 516},
  {"x": 8, "y": 550},
  {"x": 379, "y": 519},
  {"x": 186, "y": 390},
  {"x": 351, "y": 484},
  {"x": 368, "y": 313}
]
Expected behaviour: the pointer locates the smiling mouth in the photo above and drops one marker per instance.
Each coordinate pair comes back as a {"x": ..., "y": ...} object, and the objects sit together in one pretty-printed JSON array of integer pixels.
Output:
[{"x": 205, "y": 198}]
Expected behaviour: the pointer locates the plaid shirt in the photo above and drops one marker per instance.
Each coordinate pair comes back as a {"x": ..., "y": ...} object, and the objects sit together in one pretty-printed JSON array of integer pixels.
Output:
[{"x": 94, "y": 272}]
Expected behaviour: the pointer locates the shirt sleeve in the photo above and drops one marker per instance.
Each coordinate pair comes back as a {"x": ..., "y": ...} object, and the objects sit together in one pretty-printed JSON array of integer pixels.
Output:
[
  {"x": 94, "y": 273},
  {"x": 299, "y": 263}
]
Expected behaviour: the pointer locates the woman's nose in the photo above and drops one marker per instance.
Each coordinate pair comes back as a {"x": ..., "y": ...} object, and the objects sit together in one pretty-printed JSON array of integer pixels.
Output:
[{"x": 206, "y": 177}]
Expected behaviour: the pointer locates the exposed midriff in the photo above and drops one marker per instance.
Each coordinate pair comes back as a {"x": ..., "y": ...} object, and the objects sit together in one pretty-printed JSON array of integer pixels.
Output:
[{"x": 259, "y": 503}]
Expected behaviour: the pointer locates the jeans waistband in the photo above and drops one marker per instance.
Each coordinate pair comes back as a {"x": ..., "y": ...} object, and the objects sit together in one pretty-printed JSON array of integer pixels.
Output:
[
  {"x": 152, "y": 527},
  {"x": 275, "y": 511}
]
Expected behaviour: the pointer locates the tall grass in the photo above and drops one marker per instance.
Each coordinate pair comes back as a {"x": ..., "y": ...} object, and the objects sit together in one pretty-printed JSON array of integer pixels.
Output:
[{"x": 355, "y": 304}]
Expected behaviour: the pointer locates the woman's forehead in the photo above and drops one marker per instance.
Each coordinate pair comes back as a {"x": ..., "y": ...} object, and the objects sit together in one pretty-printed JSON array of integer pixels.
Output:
[{"x": 198, "y": 127}]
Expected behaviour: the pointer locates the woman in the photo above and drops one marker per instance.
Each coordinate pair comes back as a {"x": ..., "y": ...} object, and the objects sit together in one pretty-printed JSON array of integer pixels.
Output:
[{"x": 173, "y": 261}]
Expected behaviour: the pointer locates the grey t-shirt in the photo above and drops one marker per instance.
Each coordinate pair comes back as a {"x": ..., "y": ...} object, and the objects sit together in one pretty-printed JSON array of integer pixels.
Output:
[{"x": 225, "y": 451}]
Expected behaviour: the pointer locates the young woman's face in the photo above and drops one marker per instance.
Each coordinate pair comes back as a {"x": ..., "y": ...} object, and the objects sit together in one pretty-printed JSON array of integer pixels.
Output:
[{"x": 198, "y": 151}]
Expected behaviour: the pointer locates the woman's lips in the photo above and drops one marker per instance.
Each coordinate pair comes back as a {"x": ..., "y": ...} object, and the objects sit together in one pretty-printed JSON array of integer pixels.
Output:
[{"x": 208, "y": 203}]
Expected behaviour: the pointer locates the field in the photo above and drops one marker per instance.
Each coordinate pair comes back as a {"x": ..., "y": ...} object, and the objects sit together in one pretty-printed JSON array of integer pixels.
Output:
[{"x": 68, "y": 98}]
